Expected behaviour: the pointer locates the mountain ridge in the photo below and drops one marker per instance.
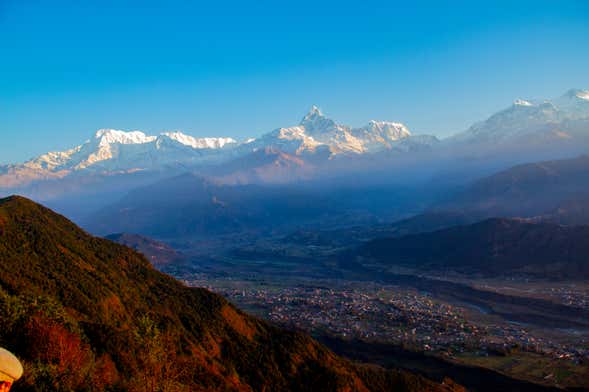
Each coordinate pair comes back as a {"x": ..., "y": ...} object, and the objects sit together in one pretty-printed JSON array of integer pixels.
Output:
[
  {"x": 541, "y": 190},
  {"x": 114, "y": 150},
  {"x": 497, "y": 246},
  {"x": 89, "y": 313},
  {"x": 318, "y": 148},
  {"x": 525, "y": 117}
]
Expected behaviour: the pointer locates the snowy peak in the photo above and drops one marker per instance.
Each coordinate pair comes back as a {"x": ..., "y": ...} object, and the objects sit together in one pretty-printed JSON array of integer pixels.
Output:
[
  {"x": 577, "y": 94},
  {"x": 316, "y": 123},
  {"x": 315, "y": 110},
  {"x": 571, "y": 98},
  {"x": 530, "y": 118},
  {"x": 574, "y": 104},
  {"x": 107, "y": 137},
  {"x": 198, "y": 143},
  {"x": 113, "y": 136},
  {"x": 380, "y": 135},
  {"x": 313, "y": 114},
  {"x": 316, "y": 133},
  {"x": 522, "y": 102},
  {"x": 292, "y": 140},
  {"x": 390, "y": 130},
  {"x": 112, "y": 151}
]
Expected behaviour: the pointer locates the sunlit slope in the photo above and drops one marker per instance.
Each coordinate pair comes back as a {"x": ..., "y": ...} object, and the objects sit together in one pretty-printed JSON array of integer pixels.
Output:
[{"x": 84, "y": 312}]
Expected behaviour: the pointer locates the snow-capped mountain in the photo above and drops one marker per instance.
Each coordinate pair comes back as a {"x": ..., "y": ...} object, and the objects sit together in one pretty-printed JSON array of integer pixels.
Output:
[
  {"x": 550, "y": 118},
  {"x": 558, "y": 125},
  {"x": 207, "y": 142},
  {"x": 318, "y": 133},
  {"x": 381, "y": 134},
  {"x": 112, "y": 151}
]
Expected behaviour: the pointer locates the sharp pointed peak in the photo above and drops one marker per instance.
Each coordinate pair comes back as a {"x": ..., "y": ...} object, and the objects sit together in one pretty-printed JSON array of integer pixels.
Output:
[
  {"x": 313, "y": 115},
  {"x": 315, "y": 110}
]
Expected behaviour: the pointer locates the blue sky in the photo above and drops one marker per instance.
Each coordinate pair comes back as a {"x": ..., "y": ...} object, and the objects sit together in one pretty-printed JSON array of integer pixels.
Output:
[{"x": 243, "y": 68}]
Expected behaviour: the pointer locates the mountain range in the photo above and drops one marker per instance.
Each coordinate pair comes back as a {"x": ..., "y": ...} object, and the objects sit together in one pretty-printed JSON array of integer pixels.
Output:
[
  {"x": 189, "y": 205},
  {"x": 318, "y": 145},
  {"x": 533, "y": 120},
  {"x": 556, "y": 191},
  {"x": 112, "y": 151},
  {"x": 497, "y": 246}
]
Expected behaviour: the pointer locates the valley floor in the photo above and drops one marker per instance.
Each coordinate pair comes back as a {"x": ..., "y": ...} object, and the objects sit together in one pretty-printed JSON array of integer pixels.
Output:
[{"x": 460, "y": 322}]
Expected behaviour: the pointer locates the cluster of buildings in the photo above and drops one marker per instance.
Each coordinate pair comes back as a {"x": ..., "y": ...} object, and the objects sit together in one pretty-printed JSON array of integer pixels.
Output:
[
  {"x": 393, "y": 315},
  {"x": 570, "y": 294}
]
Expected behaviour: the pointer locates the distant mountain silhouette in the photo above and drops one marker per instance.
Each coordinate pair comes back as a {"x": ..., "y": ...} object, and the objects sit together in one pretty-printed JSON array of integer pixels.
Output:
[
  {"x": 494, "y": 246},
  {"x": 550, "y": 191},
  {"x": 189, "y": 205},
  {"x": 553, "y": 190}
]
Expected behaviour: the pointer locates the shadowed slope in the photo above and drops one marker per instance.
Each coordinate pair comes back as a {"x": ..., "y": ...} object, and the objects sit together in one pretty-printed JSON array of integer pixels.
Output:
[{"x": 496, "y": 246}]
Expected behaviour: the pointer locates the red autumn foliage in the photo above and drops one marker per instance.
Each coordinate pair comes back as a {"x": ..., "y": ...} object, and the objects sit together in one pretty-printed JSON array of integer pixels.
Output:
[
  {"x": 105, "y": 372},
  {"x": 65, "y": 352}
]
